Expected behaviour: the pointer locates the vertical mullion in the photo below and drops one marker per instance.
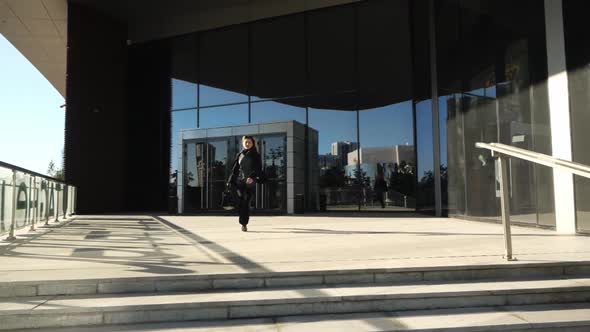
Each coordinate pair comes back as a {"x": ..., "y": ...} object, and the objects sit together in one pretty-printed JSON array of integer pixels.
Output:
[
  {"x": 435, "y": 115},
  {"x": 356, "y": 97},
  {"x": 249, "y": 71},
  {"x": 198, "y": 65},
  {"x": 306, "y": 89},
  {"x": 413, "y": 79}
]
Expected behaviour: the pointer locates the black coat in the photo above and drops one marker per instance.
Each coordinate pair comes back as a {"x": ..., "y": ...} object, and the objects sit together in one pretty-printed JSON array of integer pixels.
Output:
[
  {"x": 380, "y": 185},
  {"x": 250, "y": 167}
]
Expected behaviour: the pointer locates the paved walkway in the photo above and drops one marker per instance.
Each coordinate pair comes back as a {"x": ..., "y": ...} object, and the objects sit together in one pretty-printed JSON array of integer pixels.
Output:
[{"x": 137, "y": 246}]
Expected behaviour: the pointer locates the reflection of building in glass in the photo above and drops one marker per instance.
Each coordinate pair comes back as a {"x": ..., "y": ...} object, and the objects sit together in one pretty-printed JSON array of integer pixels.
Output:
[
  {"x": 327, "y": 162},
  {"x": 342, "y": 149},
  {"x": 382, "y": 161},
  {"x": 388, "y": 154},
  {"x": 201, "y": 175},
  {"x": 279, "y": 143}
]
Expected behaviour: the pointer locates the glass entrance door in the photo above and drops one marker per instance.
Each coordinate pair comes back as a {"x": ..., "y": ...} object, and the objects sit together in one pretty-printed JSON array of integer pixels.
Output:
[
  {"x": 207, "y": 168},
  {"x": 271, "y": 195},
  {"x": 206, "y": 171},
  {"x": 217, "y": 172}
]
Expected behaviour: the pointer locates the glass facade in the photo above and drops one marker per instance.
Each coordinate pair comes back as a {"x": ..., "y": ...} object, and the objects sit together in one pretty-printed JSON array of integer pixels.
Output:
[
  {"x": 577, "y": 48},
  {"x": 358, "y": 74},
  {"x": 180, "y": 120},
  {"x": 491, "y": 82},
  {"x": 332, "y": 70}
]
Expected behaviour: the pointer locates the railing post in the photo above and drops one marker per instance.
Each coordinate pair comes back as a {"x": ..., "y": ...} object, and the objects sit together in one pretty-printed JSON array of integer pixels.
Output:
[
  {"x": 505, "y": 205},
  {"x": 46, "y": 205},
  {"x": 11, "y": 236},
  {"x": 64, "y": 201},
  {"x": 32, "y": 182},
  {"x": 56, "y": 204},
  {"x": 73, "y": 200}
]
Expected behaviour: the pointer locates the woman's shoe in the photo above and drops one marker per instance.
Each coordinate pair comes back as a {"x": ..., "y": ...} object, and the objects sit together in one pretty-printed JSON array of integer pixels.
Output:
[{"x": 244, "y": 228}]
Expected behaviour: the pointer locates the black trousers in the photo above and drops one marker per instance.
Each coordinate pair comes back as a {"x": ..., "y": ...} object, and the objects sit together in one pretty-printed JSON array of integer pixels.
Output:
[
  {"x": 244, "y": 193},
  {"x": 380, "y": 198}
]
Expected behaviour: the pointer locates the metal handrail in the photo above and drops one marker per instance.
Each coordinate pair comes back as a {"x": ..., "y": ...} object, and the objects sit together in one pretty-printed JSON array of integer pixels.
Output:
[
  {"x": 503, "y": 152},
  {"x": 24, "y": 170},
  {"x": 538, "y": 158},
  {"x": 33, "y": 198}
]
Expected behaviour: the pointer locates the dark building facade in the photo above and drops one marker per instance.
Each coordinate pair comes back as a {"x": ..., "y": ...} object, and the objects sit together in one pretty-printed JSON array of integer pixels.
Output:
[{"x": 435, "y": 75}]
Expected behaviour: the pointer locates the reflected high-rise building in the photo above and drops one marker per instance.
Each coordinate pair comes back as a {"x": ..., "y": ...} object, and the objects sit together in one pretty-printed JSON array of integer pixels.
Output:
[
  {"x": 381, "y": 161},
  {"x": 340, "y": 150},
  {"x": 388, "y": 154}
]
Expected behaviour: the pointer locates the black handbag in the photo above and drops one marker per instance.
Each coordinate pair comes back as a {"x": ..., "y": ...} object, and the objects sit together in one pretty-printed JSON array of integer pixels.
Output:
[{"x": 228, "y": 200}]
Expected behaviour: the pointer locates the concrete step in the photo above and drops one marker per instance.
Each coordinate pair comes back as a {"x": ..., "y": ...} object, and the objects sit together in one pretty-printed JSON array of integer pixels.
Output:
[
  {"x": 46, "y": 312},
  {"x": 199, "y": 283},
  {"x": 531, "y": 318}
]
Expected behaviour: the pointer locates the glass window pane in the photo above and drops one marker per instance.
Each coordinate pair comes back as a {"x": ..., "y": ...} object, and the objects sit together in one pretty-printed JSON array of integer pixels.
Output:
[
  {"x": 278, "y": 58},
  {"x": 452, "y": 153},
  {"x": 444, "y": 168},
  {"x": 387, "y": 157},
  {"x": 578, "y": 67},
  {"x": 331, "y": 50},
  {"x": 337, "y": 146},
  {"x": 282, "y": 110},
  {"x": 384, "y": 53},
  {"x": 223, "y": 116},
  {"x": 425, "y": 163},
  {"x": 184, "y": 72},
  {"x": 184, "y": 94},
  {"x": 223, "y": 66},
  {"x": 195, "y": 177},
  {"x": 480, "y": 124},
  {"x": 272, "y": 194},
  {"x": 180, "y": 120}
]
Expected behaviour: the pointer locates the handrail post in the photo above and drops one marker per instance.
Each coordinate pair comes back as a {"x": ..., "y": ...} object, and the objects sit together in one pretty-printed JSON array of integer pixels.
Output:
[
  {"x": 56, "y": 204},
  {"x": 30, "y": 199},
  {"x": 11, "y": 236},
  {"x": 505, "y": 204},
  {"x": 73, "y": 212},
  {"x": 64, "y": 201},
  {"x": 46, "y": 205}
]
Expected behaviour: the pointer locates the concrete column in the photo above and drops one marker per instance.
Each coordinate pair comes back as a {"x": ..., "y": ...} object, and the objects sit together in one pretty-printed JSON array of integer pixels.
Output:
[{"x": 559, "y": 113}]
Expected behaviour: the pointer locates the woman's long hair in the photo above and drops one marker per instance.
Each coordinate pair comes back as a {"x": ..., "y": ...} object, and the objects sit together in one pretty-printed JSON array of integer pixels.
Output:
[{"x": 251, "y": 138}]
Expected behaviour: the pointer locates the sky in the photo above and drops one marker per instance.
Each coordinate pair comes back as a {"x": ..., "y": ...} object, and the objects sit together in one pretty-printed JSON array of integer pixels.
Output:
[{"x": 31, "y": 120}]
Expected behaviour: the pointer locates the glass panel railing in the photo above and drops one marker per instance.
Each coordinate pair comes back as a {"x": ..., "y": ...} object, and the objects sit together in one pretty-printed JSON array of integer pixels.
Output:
[
  {"x": 29, "y": 199},
  {"x": 21, "y": 200},
  {"x": 5, "y": 199}
]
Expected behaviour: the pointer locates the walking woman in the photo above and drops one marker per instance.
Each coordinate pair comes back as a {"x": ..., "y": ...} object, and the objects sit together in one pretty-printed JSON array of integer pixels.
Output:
[{"x": 246, "y": 172}]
